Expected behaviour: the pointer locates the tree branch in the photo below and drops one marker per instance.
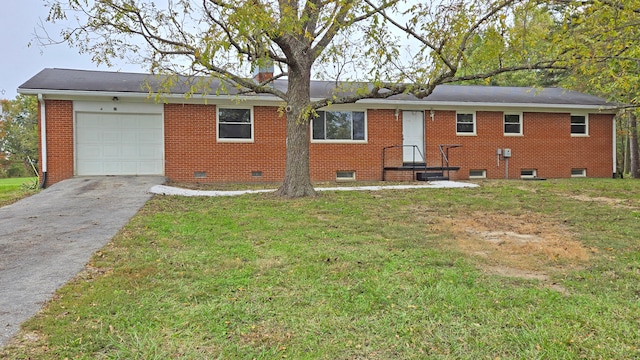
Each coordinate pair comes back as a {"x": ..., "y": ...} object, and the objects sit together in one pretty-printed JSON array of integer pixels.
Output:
[{"x": 340, "y": 21}]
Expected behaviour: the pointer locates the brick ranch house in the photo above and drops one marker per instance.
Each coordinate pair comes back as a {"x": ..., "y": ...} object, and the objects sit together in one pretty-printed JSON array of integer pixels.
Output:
[{"x": 106, "y": 123}]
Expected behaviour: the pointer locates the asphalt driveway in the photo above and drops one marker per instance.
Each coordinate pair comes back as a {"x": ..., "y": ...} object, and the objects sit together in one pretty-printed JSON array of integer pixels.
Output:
[{"x": 46, "y": 239}]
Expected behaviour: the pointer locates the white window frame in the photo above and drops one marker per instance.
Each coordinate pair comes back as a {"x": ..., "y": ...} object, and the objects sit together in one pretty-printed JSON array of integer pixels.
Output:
[
  {"x": 352, "y": 176},
  {"x": 473, "y": 113},
  {"x": 483, "y": 176},
  {"x": 582, "y": 173},
  {"x": 586, "y": 125},
  {"x": 342, "y": 141},
  {"x": 234, "y": 140},
  {"x": 504, "y": 124},
  {"x": 533, "y": 175}
]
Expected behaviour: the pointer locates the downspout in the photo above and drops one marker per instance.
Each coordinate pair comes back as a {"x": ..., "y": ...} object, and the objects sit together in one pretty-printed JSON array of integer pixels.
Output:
[
  {"x": 43, "y": 140},
  {"x": 615, "y": 150}
]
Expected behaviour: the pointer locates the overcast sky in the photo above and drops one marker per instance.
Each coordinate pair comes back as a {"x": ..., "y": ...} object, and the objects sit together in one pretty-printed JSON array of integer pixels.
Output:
[
  {"x": 19, "y": 62},
  {"x": 19, "y": 22}
]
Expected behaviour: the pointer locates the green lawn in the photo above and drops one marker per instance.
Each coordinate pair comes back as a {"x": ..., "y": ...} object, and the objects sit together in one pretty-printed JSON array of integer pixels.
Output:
[
  {"x": 510, "y": 270},
  {"x": 14, "y": 189}
]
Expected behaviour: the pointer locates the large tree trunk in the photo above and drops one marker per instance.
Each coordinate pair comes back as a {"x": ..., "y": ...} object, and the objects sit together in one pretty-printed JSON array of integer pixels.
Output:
[
  {"x": 633, "y": 145},
  {"x": 297, "y": 180}
]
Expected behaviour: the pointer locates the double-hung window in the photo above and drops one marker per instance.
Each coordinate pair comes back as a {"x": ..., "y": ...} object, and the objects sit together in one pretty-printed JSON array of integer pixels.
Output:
[
  {"x": 235, "y": 124},
  {"x": 339, "y": 126},
  {"x": 465, "y": 123},
  {"x": 513, "y": 124},
  {"x": 579, "y": 125}
]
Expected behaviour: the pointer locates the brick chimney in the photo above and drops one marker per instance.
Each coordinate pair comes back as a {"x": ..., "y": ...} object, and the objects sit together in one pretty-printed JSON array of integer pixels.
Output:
[{"x": 263, "y": 73}]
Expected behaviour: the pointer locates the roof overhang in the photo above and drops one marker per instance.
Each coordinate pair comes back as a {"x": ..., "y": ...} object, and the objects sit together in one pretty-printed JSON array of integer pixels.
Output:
[
  {"x": 49, "y": 94},
  {"x": 270, "y": 100},
  {"x": 487, "y": 106}
]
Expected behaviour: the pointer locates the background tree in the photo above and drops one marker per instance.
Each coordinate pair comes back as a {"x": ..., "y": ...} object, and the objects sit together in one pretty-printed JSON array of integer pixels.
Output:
[
  {"x": 522, "y": 39},
  {"x": 600, "y": 40},
  {"x": 389, "y": 46},
  {"x": 19, "y": 135}
]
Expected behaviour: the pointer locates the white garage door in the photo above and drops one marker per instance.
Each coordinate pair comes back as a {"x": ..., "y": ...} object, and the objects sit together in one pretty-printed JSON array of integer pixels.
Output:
[{"x": 119, "y": 144}]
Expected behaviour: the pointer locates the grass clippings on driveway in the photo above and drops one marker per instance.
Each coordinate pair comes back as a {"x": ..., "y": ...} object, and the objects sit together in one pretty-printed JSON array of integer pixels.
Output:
[{"x": 512, "y": 269}]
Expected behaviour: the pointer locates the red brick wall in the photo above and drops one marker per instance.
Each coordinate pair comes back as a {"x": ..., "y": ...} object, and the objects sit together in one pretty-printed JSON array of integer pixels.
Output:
[
  {"x": 546, "y": 145},
  {"x": 191, "y": 146},
  {"x": 59, "y": 118},
  {"x": 365, "y": 159}
]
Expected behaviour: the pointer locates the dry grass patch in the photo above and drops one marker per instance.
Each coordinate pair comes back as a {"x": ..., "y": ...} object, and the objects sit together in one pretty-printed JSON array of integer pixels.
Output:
[
  {"x": 619, "y": 203},
  {"x": 528, "y": 246},
  {"x": 265, "y": 334}
]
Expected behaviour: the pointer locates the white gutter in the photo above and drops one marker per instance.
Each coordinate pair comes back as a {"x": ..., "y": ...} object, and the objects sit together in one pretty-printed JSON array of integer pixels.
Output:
[
  {"x": 442, "y": 105},
  {"x": 143, "y": 95},
  {"x": 43, "y": 138},
  {"x": 269, "y": 99},
  {"x": 615, "y": 150}
]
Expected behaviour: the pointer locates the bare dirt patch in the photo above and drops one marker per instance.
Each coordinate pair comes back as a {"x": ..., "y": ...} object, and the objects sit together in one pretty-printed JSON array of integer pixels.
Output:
[
  {"x": 619, "y": 203},
  {"x": 527, "y": 246}
]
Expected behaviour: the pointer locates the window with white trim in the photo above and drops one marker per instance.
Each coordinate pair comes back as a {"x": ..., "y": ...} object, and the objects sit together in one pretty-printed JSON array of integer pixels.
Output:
[
  {"x": 466, "y": 123},
  {"x": 477, "y": 174},
  {"x": 512, "y": 124},
  {"x": 528, "y": 173},
  {"x": 578, "y": 172},
  {"x": 339, "y": 126},
  {"x": 235, "y": 124},
  {"x": 345, "y": 175},
  {"x": 579, "y": 125}
]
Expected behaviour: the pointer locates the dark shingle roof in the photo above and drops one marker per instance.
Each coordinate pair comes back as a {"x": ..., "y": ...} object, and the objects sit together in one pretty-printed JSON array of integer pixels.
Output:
[
  {"x": 67, "y": 80},
  {"x": 86, "y": 80}
]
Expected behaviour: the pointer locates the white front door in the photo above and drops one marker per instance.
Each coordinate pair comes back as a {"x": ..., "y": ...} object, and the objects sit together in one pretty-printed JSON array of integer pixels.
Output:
[{"x": 413, "y": 134}]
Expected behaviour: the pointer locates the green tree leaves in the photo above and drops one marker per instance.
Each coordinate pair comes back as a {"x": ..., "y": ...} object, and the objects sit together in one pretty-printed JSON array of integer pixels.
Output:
[{"x": 19, "y": 135}]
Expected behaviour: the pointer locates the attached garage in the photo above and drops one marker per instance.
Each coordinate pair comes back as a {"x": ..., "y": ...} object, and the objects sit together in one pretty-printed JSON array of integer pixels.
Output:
[{"x": 118, "y": 141}]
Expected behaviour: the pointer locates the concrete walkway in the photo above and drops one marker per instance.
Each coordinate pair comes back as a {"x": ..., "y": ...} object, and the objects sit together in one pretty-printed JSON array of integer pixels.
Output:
[
  {"x": 46, "y": 239},
  {"x": 170, "y": 190}
]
